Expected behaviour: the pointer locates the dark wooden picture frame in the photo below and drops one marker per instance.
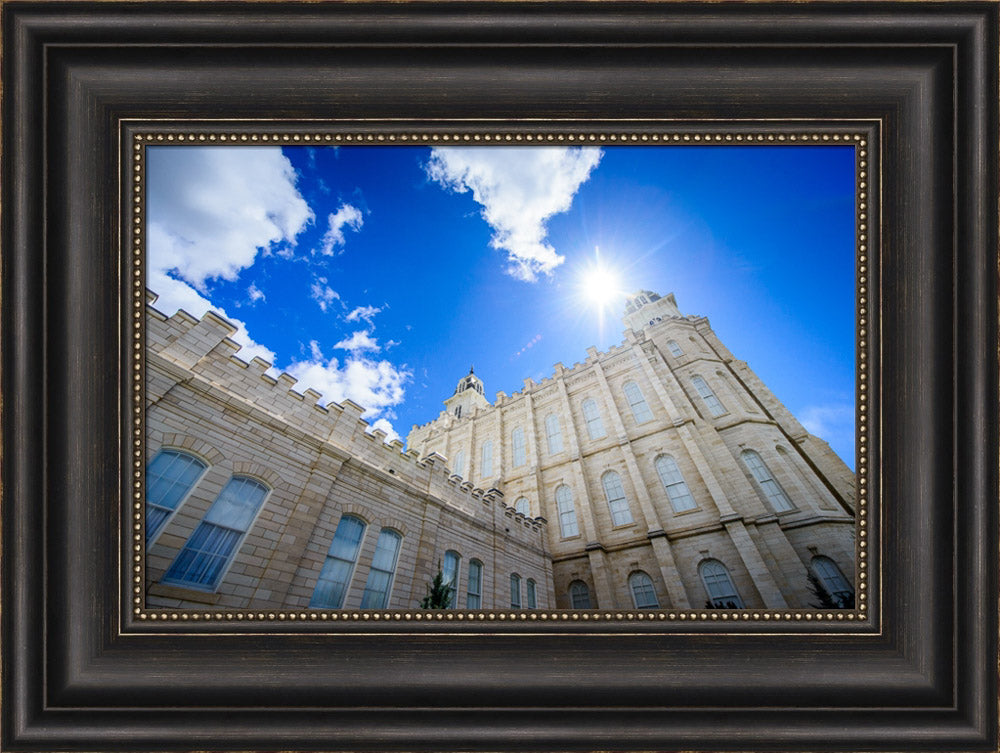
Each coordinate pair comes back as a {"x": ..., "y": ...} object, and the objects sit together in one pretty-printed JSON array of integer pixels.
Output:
[{"x": 919, "y": 673}]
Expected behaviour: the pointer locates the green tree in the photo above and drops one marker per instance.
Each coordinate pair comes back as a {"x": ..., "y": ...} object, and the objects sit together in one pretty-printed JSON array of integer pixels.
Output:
[
  {"x": 826, "y": 599},
  {"x": 438, "y": 593}
]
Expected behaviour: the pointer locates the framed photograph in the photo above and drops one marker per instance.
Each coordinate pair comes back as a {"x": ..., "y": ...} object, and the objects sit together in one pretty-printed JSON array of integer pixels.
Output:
[{"x": 721, "y": 474}]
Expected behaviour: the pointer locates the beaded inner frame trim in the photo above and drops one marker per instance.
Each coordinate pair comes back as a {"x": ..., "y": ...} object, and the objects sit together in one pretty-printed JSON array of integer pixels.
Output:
[{"x": 136, "y": 136}]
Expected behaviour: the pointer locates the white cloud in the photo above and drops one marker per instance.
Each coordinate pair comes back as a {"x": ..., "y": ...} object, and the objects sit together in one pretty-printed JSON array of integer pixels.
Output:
[
  {"x": 519, "y": 189},
  {"x": 346, "y": 216},
  {"x": 359, "y": 341},
  {"x": 833, "y": 423},
  {"x": 255, "y": 294},
  {"x": 323, "y": 294},
  {"x": 212, "y": 209},
  {"x": 363, "y": 312}
]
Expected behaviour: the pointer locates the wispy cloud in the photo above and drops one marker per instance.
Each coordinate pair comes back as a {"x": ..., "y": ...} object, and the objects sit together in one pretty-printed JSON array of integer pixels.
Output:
[
  {"x": 323, "y": 294},
  {"x": 347, "y": 216},
  {"x": 366, "y": 313},
  {"x": 832, "y": 422},
  {"x": 519, "y": 189},
  {"x": 359, "y": 341},
  {"x": 255, "y": 294}
]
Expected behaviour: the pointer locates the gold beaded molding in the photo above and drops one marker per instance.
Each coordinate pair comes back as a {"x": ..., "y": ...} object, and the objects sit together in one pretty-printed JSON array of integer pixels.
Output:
[{"x": 162, "y": 134}]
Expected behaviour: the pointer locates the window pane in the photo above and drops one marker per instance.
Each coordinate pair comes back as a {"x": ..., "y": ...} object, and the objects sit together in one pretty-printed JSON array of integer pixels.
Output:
[
  {"x": 776, "y": 496},
  {"x": 711, "y": 401},
  {"x": 523, "y": 506},
  {"x": 520, "y": 451},
  {"x": 473, "y": 599},
  {"x": 169, "y": 478},
  {"x": 376, "y": 594},
  {"x": 459, "y": 468},
  {"x": 673, "y": 482},
  {"x": 531, "y": 595},
  {"x": 567, "y": 513},
  {"x": 486, "y": 467},
  {"x": 640, "y": 409},
  {"x": 452, "y": 561},
  {"x": 237, "y": 505},
  {"x": 643, "y": 592},
  {"x": 721, "y": 591},
  {"x": 335, "y": 577},
  {"x": 615, "y": 493},
  {"x": 674, "y": 348},
  {"x": 553, "y": 434},
  {"x": 831, "y": 578},
  {"x": 515, "y": 591},
  {"x": 595, "y": 427},
  {"x": 579, "y": 595}
]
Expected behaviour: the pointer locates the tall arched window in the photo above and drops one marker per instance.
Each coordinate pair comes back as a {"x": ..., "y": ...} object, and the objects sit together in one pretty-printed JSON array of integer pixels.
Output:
[
  {"x": 520, "y": 454},
  {"x": 486, "y": 459},
  {"x": 711, "y": 401},
  {"x": 338, "y": 569},
  {"x": 673, "y": 482},
  {"x": 515, "y": 591},
  {"x": 209, "y": 550},
  {"x": 643, "y": 593},
  {"x": 832, "y": 580},
  {"x": 721, "y": 590},
  {"x": 459, "y": 468},
  {"x": 523, "y": 506},
  {"x": 567, "y": 513},
  {"x": 638, "y": 404},
  {"x": 674, "y": 348},
  {"x": 615, "y": 494},
  {"x": 553, "y": 434},
  {"x": 579, "y": 595},
  {"x": 595, "y": 427},
  {"x": 379, "y": 585},
  {"x": 776, "y": 496},
  {"x": 169, "y": 479},
  {"x": 450, "y": 573},
  {"x": 531, "y": 595},
  {"x": 474, "y": 594}
]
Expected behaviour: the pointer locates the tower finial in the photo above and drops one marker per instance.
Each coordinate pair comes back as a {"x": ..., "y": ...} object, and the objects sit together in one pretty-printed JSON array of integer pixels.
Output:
[{"x": 472, "y": 370}]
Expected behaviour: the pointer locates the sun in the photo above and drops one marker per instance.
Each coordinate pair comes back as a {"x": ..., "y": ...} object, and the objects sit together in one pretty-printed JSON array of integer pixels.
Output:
[{"x": 600, "y": 284}]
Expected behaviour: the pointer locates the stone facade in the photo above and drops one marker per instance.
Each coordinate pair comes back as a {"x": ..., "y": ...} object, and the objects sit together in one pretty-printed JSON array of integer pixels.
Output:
[{"x": 669, "y": 474}]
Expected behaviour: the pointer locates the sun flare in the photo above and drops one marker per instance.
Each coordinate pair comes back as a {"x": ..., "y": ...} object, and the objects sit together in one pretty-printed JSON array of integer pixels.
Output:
[{"x": 600, "y": 284}]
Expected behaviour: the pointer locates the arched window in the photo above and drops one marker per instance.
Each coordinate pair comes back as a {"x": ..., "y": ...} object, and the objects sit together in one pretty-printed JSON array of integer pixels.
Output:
[
  {"x": 338, "y": 569},
  {"x": 523, "y": 506},
  {"x": 531, "y": 595},
  {"x": 553, "y": 434},
  {"x": 721, "y": 591},
  {"x": 486, "y": 459},
  {"x": 520, "y": 450},
  {"x": 711, "y": 401},
  {"x": 643, "y": 593},
  {"x": 674, "y": 348},
  {"x": 567, "y": 513},
  {"x": 209, "y": 550},
  {"x": 615, "y": 494},
  {"x": 459, "y": 468},
  {"x": 832, "y": 580},
  {"x": 474, "y": 595},
  {"x": 673, "y": 482},
  {"x": 776, "y": 496},
  {"x": 638, "y": 404},
  {"x": 379, "y": 585},
  {"x": 450, "y": 573},
  {"x": 595, "y": 427},
  {"x": 515, "y": 591},
  {"x": 169, "y": 479},
  {"x": 579, "y": 595}
]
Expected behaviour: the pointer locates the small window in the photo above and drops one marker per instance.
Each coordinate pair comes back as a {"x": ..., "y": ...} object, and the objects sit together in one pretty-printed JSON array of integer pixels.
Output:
[
  {"x": 673, "y": 482},
  {"x": 520, "y": 450},
  {"x": 523, "y": 506},
  {"x": 376, "y": 595},
  {"x": 567, "y": 513},
  {"x": 595, "y": 427},
  {"x": 458, "y": 411},
  {"x": 460, "y": 463},
  {"x": 776, "y": 496},
  {"x": 643, "y": 593},
  {"x": 638, "y": 404},
  {"x": 338, "y": 569},
  {"x": 515, "y": 591},
  {"x": 711, "y": 401},
  {"x": 474, "y": 595},
  {"x": 579, "y": 595},
  {"x": 553, "y": 435},
  {"x": 449, "y": 574},
  {"x": 674, "y": 348},
  {"x": 531, "y": 595},
  {"x": 721, "y": 591},
  {"x": 169, "y": 479},
  {"x": 615, "y": 494},
  {"x": 486, "y": 457},
  {"x": 210, "y": 549},
  {"x": 832, "y": 580}
]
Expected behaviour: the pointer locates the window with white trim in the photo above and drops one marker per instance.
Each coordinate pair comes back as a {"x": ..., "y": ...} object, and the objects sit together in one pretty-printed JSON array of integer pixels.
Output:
[
  {"x": 474, "y": 593},
  {"x": 523, "y": 506},
  {"x": 169, "y": 479},
  {"x": 553, "y": 434},
  {"x": 674, "y": 348},
  {"x": 531, "y": 595},
  {"x": 643, "y": 593},
  {"x": 638, "y": 404},
  {"x": 520, "y": 454},
  {"x": 567, "y": 512},
  {"x": 711, "y": 401},
  {"x": 674, "y": 484},
  {"x": 614, "y": 492},
  {"x": 383, "y": 570},
  {"x": 776, "y": 496},
  {"x": 579, "y": 595},
  {"x": 459, "y": 468},
  {"x": 719, "y": 585},
  {"x": 515, "y": 591},
  {"x": 486, "y": 459},
  {"x": 832, "y": 579},
  {"x": 338, "y": 569},
  {"x": 592, "y": 415},
  {"x": 209, "y": 550},
  {"x": 450, "y": 573}
]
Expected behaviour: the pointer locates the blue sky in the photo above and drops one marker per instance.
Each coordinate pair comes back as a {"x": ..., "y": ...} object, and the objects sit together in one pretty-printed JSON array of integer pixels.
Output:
[{"x": 381, "y": 273}]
